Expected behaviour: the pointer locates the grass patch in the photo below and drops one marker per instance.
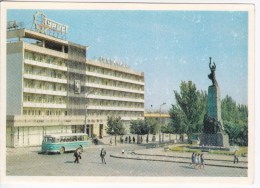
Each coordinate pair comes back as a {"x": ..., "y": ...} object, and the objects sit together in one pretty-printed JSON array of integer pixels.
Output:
[
  {"x": 184, "y": 149},
  {"x": 242, "y": 151}
]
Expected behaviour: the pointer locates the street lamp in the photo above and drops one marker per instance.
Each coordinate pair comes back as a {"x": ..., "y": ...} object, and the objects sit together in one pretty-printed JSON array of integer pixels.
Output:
[{"x": 160, "y": 121}]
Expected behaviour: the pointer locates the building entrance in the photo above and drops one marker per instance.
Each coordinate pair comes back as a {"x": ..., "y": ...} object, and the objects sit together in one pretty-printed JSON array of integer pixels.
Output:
[{"x": 100, "y": 130}]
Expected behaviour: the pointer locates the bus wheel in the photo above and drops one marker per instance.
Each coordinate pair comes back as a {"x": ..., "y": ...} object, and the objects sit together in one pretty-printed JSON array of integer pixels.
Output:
[
  {"x": 62, "y": 150},
  {"x": 81, "y": 148}
]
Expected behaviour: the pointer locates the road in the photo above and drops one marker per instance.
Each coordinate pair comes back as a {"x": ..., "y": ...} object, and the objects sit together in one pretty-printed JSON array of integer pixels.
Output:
[{"x": 27, "y": 162}]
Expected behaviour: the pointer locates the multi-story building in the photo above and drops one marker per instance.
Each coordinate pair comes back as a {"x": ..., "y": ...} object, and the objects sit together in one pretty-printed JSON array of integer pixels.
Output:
[{"x": 53, "y": 88}]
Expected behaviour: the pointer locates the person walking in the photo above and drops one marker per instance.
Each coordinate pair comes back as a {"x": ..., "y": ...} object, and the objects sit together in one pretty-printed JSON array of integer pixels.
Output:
[
  {"x": 133, "y": 139},
  {"x": 202, "y": 163},
  {"x": 199, "y": 161},
  {"x": 193, "y": 160},
  {"x": 235, "y": 157},
  {"x": 77, "y": 155},
  {"x": 196, "y": 160},
  {"x": 102, "y": 155}
]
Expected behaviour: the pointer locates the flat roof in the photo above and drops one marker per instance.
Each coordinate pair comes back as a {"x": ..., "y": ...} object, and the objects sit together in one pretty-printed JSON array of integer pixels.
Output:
[
  {"x": 25, "y": 33},
  {"x": 66, "y": 134}
]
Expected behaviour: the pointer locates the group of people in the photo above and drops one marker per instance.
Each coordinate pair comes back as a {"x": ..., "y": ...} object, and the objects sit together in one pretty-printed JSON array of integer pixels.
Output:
[
  {"x": 128, "y": 139},
  {"x": 77, "y": 155},
  {"x": 197, "y": 160}
]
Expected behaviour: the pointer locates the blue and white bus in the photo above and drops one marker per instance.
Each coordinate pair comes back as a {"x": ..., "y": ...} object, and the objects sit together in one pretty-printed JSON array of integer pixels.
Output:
[{"x": 64, "y": 142}]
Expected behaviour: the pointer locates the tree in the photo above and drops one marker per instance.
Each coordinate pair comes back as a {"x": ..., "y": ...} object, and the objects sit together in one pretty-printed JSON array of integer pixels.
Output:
[
  {"x": 153, "y": 124},
  {"x": 139, "y": 127},
  {"x": 115, "y": 126},
  {"x": 187, "y": 115},
  {"x": 235, "y": 120}
]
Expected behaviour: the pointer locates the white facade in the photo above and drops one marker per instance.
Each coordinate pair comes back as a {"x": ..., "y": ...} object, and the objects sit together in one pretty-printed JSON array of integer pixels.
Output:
[{"x": 50, "y": 83}]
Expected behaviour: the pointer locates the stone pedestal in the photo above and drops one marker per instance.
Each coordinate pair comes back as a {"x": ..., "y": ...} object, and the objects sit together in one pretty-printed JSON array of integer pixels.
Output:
[
  {"x": 214, "y": 103},
  {"x": 219, "y": 137}
]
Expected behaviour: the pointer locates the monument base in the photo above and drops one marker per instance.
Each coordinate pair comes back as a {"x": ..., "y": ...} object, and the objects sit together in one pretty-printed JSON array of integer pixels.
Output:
[{"x": 219, "y": 139}]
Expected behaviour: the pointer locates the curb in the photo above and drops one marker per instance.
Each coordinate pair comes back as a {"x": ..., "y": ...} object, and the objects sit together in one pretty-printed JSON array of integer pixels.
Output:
[
  {"x": 119, "y": 157},
  {"x": 185, "y": 157}
]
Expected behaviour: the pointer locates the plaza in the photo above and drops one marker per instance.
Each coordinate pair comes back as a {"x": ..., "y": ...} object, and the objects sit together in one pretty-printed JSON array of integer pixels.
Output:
[{"x": 28, "y": 162}]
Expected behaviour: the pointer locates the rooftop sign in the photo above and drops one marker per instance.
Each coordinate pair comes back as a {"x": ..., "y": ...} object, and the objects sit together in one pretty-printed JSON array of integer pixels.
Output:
[{"x": 42, "y": 24}]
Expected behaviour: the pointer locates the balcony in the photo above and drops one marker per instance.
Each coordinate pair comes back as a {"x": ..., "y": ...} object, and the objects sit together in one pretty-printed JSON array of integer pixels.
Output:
[
  {"x": 45, "y": 92},
  {"x": 115, "y": 108},
  {"x": 45, "y": 65},
  {"x": 77, "y": 71},
  {"x": 44, "y": 78},
  {"x": 45, "y": 51},
  {"x": 21, "y": 120},
  {"x": 94, "y": 74},
  {"x": 115, "y": 98},
  {"x": 43, "y": 105},
  {"x": 113, "y": 88}
]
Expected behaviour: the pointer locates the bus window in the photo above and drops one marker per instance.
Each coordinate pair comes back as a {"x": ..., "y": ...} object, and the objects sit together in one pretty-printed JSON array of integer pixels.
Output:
[
  {"x": 80, "y": 138},
  {"x": 49, "y": 139}
]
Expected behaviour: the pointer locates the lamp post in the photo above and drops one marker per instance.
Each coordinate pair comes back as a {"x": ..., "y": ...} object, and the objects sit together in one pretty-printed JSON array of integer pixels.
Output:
[{"x": 160, "y": 121}]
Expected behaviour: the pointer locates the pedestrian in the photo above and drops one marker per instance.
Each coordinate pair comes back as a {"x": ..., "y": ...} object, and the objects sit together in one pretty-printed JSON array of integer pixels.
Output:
[
  {"x": 77, "y": 155},
  {"x": 133, "y": 139},
  {"x": 141, "y": 139},
  {"x": 235, "y": 157},
  {"x": 196, "y": 160},
  {"x": 111, "y": 141},
  {"x": 199, "y": 161},
  {"x": 193, "y": 160},
  {"x": 102, "y": 155},
  {"x": 130, "y": 140},
  {"x": 202, "y": 163}
]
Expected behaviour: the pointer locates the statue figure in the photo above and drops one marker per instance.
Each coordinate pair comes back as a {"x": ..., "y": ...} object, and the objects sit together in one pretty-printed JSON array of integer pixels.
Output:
[
  {"x": 211, "y": 125},
  {"x": 212, "y": 75}
]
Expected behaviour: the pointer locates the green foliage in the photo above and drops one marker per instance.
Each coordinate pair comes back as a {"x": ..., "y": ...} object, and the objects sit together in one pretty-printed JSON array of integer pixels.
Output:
[
  {"x": 139, "y": 127},
  {"x": 235, "y": 120},
  {"x": 187, "y": 115},
  {"x": 115, "y": 126},
  {"x": 153, "y": 125}
]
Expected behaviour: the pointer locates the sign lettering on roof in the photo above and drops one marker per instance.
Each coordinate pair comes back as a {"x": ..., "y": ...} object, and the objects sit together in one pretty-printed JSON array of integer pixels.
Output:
[{"x": 47, "y": 26}]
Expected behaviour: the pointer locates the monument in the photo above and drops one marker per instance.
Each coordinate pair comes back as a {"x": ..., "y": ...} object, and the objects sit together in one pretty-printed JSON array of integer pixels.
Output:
[{"x": 213, "y": 133}]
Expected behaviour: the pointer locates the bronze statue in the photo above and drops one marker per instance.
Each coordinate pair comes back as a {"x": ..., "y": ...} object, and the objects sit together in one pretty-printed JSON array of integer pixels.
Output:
[
  {"x": 212, "y": 75},
  {"x": 211, "y": 125}
]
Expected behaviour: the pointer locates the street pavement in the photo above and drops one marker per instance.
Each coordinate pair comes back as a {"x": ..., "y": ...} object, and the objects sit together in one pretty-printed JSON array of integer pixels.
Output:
[
  {"x": 160, "y": 154},
  {"x": 137, "y": 160}
]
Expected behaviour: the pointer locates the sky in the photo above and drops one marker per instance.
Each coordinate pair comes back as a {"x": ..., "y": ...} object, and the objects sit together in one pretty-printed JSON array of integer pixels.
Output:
[{"x": 168, "y": 46}]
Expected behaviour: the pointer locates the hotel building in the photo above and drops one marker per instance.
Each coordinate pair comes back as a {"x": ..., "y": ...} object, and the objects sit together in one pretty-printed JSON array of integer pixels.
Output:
[{"x": 53, "y": 88}]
